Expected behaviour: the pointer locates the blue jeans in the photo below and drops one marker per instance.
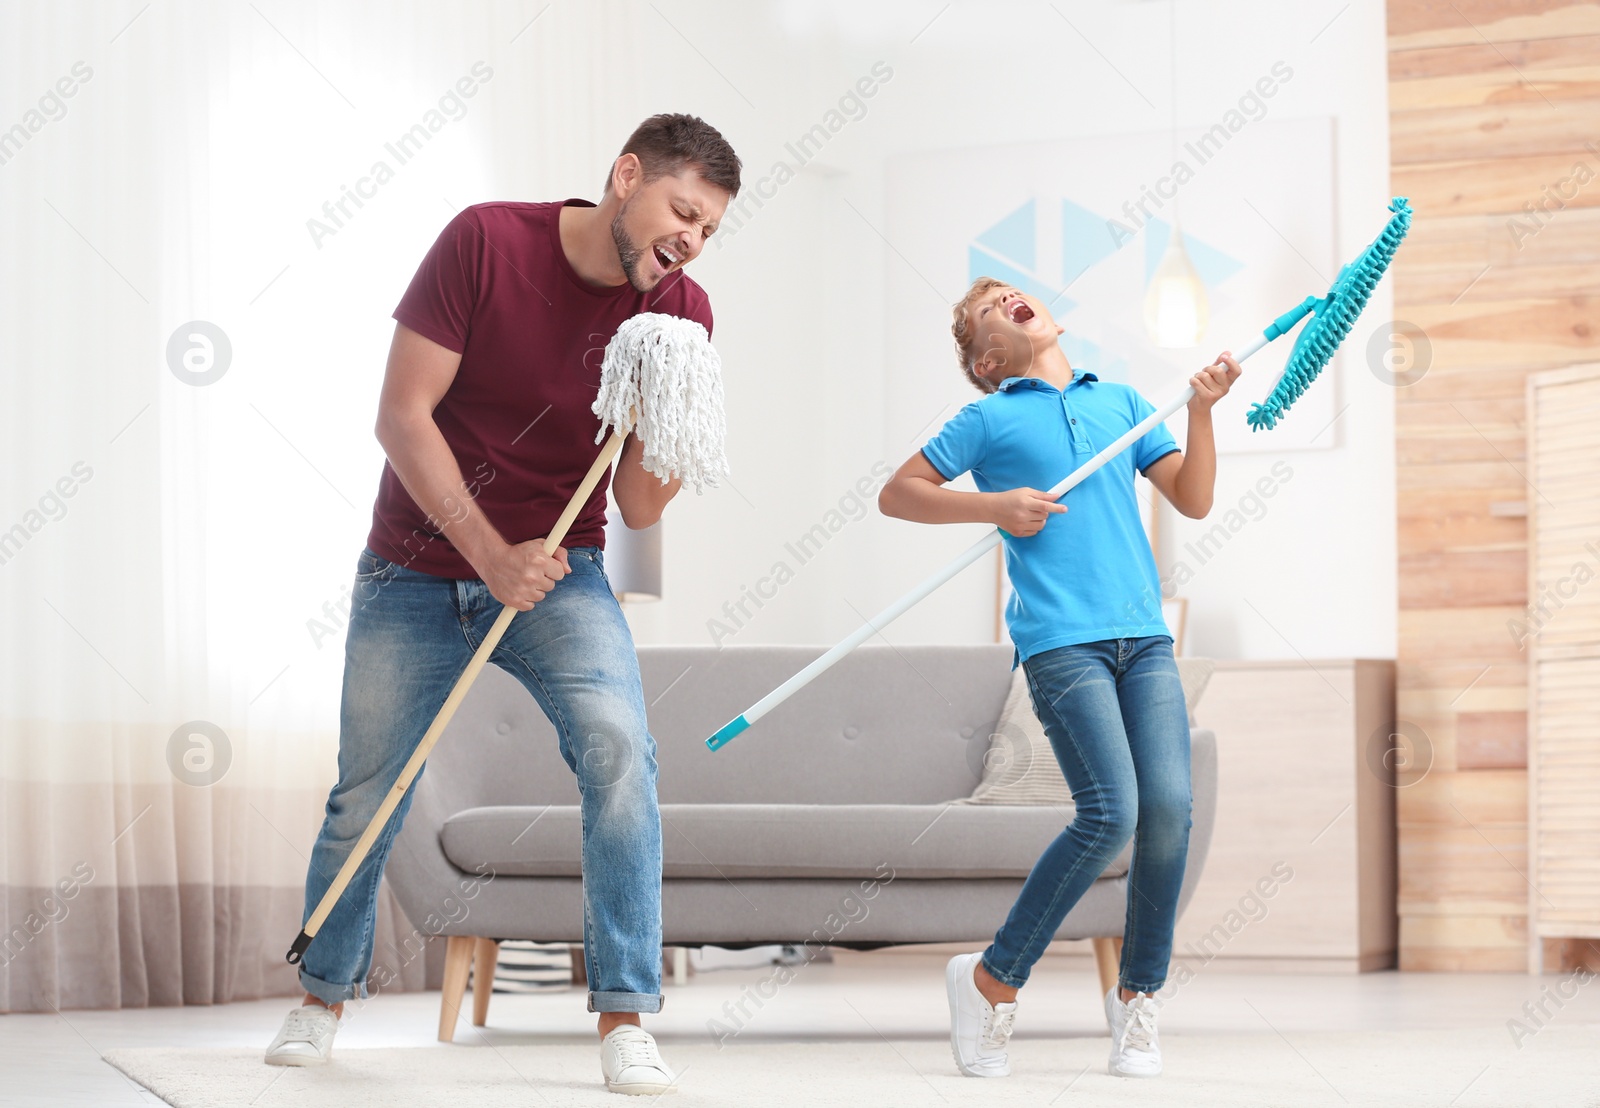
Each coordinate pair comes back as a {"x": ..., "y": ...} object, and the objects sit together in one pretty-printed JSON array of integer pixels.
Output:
[
  {"x": 410, "y": 636},
  {"x": 1114, "y": 713}
]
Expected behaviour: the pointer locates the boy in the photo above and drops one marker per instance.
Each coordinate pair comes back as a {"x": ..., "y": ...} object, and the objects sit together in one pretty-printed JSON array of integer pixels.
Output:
[{"x": 1085, "y": 616}]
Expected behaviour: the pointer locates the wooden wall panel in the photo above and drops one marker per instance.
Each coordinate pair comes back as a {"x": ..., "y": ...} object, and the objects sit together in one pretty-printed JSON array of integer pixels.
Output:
[
  {"x": 1439, "y": 23},
  {"x": 1495, "y": 136},
  {"x": 1492, "y": 131}
]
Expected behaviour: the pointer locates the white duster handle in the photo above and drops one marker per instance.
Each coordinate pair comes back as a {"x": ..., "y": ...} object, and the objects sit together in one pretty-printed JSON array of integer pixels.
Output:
[{"x": 977, "y": 550}]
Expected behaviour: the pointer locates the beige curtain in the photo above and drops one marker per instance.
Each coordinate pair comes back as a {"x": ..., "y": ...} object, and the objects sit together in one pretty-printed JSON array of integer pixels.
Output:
[{"x": 191, "y": 347}]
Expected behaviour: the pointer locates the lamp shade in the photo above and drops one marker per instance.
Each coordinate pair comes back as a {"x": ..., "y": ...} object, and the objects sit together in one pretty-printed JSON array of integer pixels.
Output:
[
  {"x": 1176, "y": 307},
  {"x": 633, "y": 559}
]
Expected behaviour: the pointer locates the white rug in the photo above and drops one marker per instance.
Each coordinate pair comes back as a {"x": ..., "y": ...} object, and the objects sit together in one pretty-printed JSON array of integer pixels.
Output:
[{"x": 1559, "y": 1068}]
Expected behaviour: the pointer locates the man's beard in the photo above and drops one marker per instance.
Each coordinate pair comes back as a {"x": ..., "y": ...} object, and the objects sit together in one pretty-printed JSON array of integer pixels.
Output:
[{"x": 628, "y": 254}]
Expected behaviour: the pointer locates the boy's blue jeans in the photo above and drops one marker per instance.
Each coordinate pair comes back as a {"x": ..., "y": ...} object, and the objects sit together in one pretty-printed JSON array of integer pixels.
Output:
[
  {"x": 410, "y": 636},
  {"x": 1114, "y": 713}
]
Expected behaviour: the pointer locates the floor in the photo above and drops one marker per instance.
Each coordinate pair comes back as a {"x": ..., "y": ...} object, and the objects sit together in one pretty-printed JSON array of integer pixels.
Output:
[{"x": 55, "y": 1060}]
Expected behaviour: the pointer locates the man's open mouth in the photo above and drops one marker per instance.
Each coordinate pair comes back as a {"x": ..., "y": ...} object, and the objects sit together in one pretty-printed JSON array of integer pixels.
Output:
[
  {"x": 1018, "y": 311},
  {"x": 666, "y": 257}
]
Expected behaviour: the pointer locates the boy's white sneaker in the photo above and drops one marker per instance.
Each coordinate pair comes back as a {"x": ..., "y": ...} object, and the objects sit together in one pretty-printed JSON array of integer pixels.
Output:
[
  {"x": 1135, "y": 1043},
  {"x": 306, "y": 1038},
  {"x": 978, "y": 1031},
  {"x": 632, "y": 1064}
]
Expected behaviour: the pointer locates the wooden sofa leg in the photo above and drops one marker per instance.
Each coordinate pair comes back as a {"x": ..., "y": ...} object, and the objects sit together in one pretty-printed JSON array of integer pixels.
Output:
[
  {"x": 485, "y": 956},
  {"x": 1108, "y": 960},
  {"x": 457, "y": 962}
]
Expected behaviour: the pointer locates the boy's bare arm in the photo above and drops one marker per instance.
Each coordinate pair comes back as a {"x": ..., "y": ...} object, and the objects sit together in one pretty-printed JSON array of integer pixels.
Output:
[
  {"x": 916, "y": 492},
  {"x": 1189, "y": 479}
]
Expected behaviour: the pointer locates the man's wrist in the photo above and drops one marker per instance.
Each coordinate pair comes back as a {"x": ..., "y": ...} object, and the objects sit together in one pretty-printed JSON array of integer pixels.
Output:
[{"x": 479, "y": 543}]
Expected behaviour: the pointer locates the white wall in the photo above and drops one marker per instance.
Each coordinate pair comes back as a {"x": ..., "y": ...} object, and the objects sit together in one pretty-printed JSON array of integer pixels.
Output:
[
  {"x": 800, "y": 296},
  {"x": 190, "y": 163}
]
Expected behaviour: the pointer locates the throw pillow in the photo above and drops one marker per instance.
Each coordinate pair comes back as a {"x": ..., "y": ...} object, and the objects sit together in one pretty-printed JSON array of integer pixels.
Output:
[{"x": 1020, "y": 767}]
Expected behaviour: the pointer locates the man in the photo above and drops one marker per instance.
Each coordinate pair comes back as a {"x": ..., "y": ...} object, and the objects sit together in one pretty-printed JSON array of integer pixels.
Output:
[{"x": 485, "y": 418}]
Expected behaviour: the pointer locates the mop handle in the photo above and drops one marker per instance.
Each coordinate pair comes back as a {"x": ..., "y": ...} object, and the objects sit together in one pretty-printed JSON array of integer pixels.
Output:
[
  {"x": 458, "y": 693},
  {"x": 978, "y": 549}
]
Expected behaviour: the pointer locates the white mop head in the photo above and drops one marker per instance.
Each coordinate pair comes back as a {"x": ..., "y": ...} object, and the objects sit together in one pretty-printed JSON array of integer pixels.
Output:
[{"x": 662, "y": 378}]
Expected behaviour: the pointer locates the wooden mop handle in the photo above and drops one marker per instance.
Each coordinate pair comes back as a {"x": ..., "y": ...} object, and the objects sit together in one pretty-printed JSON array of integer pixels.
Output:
[{"x": 457, "y": 694}]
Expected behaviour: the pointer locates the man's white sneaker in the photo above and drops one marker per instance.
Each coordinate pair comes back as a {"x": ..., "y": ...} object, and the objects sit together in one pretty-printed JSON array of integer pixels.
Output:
[
  {"x": 1135, "y": 1044},
  {"x": 978, "y": 1031},
  {"x": 306, "y": 1038},
  {"x": 632, "y": 1064}
]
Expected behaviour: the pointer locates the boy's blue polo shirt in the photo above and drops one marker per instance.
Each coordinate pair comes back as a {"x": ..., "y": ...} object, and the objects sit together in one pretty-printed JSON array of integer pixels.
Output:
[{"x": 1089, "y": 574}]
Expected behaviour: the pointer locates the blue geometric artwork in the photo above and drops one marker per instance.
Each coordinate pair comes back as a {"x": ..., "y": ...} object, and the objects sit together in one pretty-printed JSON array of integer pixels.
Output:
[
  {"x": 1013, "y": 237},
  {"x": 1009, "y": 250}
]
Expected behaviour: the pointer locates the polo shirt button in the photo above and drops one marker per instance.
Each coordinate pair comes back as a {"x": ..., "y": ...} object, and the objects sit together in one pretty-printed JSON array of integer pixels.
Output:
[{"x": 1074, "y": 422}]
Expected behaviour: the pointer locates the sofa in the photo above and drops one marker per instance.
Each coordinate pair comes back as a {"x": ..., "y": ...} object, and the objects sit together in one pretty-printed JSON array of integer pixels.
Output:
[{"x": 838, "y": 819}]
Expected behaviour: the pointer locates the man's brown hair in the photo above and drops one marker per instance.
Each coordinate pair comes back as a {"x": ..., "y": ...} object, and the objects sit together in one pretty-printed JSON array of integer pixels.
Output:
[
  {"x": 668, "y": 143},
  {"x": 962, "y": 330}
]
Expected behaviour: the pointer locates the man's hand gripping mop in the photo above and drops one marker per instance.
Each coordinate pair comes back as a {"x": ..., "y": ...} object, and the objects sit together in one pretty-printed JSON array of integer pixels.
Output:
[
  {"x": 661, "y": 378},
  {"x": 1332, "y": 316}
]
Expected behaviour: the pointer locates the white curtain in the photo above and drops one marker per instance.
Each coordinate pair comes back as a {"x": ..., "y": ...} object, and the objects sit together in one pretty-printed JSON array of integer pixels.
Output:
[{"x": 176, "y": 543}]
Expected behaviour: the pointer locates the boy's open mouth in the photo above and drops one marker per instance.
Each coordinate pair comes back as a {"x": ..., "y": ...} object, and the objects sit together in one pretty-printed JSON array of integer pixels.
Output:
[{"x": 1018, "y": 311}]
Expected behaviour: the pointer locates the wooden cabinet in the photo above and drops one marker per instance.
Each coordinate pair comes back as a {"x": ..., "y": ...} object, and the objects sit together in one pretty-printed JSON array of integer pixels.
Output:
[
  {"x": 1561, "y": 632},
  {"x": 1302, "y": 868}
]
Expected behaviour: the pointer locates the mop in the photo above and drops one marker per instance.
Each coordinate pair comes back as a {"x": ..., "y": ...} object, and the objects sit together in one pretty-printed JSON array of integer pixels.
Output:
[
  {"x": 1332, "y": 317},
  {"x": 661, "y": 378}
]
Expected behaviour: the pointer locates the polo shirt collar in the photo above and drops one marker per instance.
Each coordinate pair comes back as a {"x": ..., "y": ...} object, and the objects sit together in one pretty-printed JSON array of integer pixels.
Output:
[{"x": 1078, "y": 377}]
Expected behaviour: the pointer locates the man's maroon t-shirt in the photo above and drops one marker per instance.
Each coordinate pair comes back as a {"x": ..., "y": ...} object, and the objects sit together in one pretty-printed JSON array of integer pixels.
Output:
[{"x": 498, "y": 289}]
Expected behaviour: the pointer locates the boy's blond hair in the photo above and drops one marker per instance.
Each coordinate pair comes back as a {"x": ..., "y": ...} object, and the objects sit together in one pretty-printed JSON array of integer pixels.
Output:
[{"x": 961, "y": 329}]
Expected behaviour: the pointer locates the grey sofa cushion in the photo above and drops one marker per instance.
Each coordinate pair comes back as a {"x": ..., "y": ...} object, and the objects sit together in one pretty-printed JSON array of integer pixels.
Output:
[
  {"x": 911, "y": 841},
  {"x": 888, "y": 725}
]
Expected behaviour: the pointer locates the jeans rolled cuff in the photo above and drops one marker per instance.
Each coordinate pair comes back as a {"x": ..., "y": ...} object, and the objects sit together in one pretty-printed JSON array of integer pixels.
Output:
[
  {"x": 329, "y": 992},
  {"x": 1010, "y": 980},
  {"x": 644, "y": 1003},
  {"x": 1136, "y": 988}
]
